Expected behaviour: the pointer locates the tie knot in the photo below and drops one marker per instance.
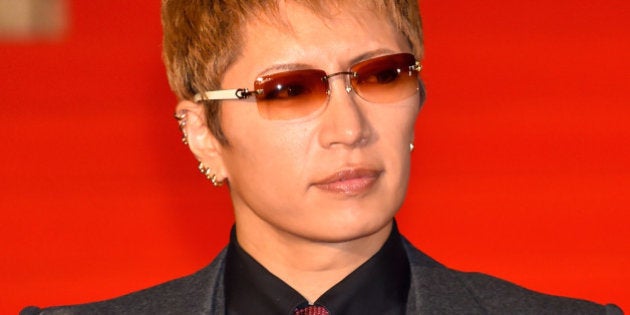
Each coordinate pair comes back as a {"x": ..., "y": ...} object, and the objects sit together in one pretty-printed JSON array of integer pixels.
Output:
[{"x": 311, "y": 310}]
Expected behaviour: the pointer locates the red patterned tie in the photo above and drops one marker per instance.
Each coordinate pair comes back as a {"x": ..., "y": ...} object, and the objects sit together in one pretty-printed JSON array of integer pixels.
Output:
[{"x": 311, "y": 310}]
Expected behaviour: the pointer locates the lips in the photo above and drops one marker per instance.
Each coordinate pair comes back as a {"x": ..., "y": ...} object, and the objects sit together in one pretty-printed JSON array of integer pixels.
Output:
[{"x": 349, "y": 182}]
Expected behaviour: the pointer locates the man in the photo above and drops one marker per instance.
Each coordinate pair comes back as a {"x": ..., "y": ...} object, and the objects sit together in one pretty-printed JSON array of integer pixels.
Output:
[{"x": 306, "y": 109}]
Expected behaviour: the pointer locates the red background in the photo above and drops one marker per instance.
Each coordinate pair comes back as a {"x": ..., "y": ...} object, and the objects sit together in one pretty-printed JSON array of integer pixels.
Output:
[{"x": 521, "y": 167}]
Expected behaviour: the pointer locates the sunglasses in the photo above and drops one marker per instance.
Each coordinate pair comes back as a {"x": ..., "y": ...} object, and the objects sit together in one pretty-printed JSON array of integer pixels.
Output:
[{"x": 298, "y": 93}]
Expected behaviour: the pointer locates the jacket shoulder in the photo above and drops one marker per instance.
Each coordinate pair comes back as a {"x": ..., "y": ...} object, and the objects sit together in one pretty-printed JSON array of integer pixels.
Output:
[
  {"x": 438, "y": 289},
  {"x": 498, "y": 296},
  {"x": 200, "y": 292}
]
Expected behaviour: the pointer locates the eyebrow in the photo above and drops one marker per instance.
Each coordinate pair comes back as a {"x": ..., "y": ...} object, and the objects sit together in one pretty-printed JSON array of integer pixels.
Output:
[
  {"x": 296, "y": 66},
  {"x": 371, "y": 54},
  {"x": 283, "y": 67}
]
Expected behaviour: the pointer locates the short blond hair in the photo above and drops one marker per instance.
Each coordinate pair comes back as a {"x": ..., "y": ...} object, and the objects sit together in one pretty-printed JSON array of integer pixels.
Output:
[{"x": 202, "y": 38}]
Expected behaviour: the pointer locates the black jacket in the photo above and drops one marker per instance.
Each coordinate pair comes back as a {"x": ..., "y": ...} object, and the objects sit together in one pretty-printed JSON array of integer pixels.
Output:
[{"x": 434, "y": 289}]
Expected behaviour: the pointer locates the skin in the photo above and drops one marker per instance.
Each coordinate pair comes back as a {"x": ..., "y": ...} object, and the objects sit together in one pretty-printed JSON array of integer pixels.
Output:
[{"x": 275, "y": 169}]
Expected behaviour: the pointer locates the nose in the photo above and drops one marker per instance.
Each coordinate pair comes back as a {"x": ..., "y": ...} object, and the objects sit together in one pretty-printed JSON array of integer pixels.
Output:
[{"x": 344, "y": 122}]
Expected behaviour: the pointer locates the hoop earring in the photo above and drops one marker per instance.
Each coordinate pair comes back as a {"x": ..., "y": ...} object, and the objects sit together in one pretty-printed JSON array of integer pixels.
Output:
[{"x": 181, "y": 119}]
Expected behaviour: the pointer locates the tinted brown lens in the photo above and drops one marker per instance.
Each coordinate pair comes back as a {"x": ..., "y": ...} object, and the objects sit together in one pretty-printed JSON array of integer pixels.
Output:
[
  {"x": 386, "y": 79},
  {"x": 291, "y": 94}
]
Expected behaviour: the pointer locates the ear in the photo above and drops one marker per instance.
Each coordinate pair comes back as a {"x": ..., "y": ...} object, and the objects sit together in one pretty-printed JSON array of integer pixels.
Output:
[{"x": 202, "y": 143}]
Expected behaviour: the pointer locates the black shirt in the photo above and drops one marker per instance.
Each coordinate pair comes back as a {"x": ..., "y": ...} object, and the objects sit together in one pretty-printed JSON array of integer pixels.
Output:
[{"x": 379, "y": 286}]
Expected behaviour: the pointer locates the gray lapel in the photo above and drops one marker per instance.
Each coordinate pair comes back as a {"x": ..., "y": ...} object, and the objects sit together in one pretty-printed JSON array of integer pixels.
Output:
[{"x": 436, "y": 289}]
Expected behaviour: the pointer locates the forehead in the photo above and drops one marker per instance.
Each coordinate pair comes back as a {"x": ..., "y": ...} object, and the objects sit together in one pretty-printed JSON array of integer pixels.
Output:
[{"x": 295, "y": 31}]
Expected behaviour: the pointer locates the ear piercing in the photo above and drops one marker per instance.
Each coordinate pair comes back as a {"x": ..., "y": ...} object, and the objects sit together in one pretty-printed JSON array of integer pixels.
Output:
[
  {"x": 207, "y": 172},
  {"x": 181, "y": 119},
  {"x": 411, "y": 147}
]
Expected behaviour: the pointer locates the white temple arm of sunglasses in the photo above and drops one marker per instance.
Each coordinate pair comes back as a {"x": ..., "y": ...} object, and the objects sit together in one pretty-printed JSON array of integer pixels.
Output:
[{"x": 233, "y": 94}]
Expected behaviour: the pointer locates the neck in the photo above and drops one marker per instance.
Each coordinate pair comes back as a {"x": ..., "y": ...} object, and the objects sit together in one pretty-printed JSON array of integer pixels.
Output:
[{"x": 309, "y": 266}]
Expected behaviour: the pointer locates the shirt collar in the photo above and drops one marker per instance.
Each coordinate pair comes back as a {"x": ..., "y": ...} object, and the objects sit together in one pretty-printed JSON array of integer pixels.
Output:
[{"x": 379, "y": 286}]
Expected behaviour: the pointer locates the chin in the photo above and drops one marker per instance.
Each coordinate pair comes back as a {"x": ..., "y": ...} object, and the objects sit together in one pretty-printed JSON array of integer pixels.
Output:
[{"x": 338, "y": 230}]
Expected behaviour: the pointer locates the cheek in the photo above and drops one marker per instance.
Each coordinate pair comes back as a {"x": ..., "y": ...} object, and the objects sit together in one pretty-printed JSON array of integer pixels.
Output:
[
  {"x": 395, "y": 123},
  {"x": 267, "y": 149},
  {"x": 268, "y": 162},
  {"x": 394, "y": 126},
  {"x": 291, "y": 154}
]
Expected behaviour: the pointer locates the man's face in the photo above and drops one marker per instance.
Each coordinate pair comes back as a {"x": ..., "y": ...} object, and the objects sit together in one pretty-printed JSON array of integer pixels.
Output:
[{"x": 341, "y": 172}]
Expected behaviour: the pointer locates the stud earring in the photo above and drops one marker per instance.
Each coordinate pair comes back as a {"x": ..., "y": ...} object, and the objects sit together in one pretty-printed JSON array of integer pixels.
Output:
[
  {"x": 411, "y": 147},
  {"x": 181, "y": 119},
  {"x": 215, "y": 181},
  {"x": 207, "y": 172}
]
